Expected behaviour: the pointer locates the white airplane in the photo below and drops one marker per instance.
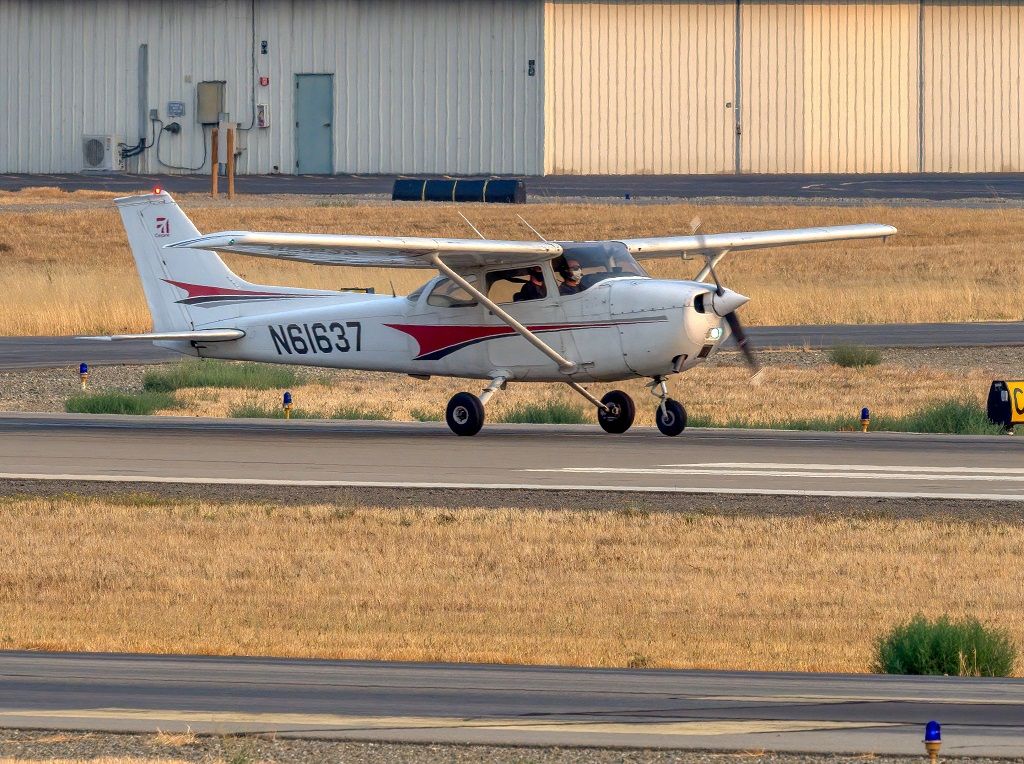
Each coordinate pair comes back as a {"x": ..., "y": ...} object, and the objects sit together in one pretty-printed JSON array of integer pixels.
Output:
[{"x": 503, "y": 311}]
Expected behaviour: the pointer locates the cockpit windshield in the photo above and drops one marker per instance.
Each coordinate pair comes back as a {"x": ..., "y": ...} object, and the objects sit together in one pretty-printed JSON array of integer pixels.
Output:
[{"x": 584, "y": 264}]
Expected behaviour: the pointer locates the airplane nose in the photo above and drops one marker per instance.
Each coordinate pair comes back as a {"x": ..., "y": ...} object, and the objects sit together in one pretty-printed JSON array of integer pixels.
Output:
[{"x": 725, "y": 303}]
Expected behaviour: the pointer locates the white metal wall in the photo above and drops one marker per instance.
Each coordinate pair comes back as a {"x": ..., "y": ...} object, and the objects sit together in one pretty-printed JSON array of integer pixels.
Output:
[
  {"x": 829, "y": 86},
  {"x": 420, "y": 85},
  {"x": 973, "y": 86},
  {"x": 639, "y": 87}
]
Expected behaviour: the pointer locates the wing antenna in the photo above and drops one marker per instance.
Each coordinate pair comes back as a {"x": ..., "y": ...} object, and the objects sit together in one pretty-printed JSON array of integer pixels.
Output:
[
  {"x": 535, "y": 231},
  {"x": 475, "y": 229}
]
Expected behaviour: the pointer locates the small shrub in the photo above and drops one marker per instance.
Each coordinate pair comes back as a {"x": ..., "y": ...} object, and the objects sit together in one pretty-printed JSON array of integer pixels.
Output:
[
  {"x": 119, "y": 403},
  {"x": 855, "y": 356},
  {"x": 544, "y": 413},
  {"x": 945, "y": 647},
  {"x": 252, "y": 376},
  {"x": 426, "y": 415},
  {"x": 639, "y": 661},
  {"x": 356, "y": 412}
]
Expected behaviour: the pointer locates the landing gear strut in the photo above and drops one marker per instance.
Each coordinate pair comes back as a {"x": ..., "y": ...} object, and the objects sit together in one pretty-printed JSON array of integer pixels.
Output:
[
  {"x": 670, "y": 415},
  {"x": 465, "y": 412}
]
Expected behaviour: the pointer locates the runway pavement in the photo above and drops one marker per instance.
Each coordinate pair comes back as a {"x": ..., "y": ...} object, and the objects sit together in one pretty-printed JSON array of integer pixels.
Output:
[
  {"x": 42, "y": 352},
  {"x": 510, "y": 704},
  {"x": 988, "y": 188},
  {"x": 532, "y": 457}
]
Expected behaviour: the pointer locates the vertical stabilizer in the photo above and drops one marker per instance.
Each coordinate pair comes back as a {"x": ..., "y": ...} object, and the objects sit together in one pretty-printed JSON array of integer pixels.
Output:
[{"x": 192, "y": 288}]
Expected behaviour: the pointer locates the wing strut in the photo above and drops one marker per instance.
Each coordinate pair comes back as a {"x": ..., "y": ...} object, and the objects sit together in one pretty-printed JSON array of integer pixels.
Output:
[
  {"x": 710, "y": 261},
  {"x": 564, "y": 364}
]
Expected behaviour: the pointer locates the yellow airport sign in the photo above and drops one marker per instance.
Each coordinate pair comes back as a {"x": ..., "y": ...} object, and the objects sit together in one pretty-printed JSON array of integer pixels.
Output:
[{"x": 1006, "y": 402}]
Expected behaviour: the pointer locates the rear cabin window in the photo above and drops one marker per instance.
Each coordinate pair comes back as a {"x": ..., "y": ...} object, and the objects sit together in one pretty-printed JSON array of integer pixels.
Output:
[{"x": 448, "y": 294}]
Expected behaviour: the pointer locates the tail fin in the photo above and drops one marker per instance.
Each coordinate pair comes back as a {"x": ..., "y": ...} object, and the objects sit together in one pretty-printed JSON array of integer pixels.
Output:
[{"x": 191, "y": 288}]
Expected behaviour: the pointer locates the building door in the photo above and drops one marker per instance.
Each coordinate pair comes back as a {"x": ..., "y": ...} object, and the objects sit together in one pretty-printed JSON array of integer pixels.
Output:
[{"x": 314, "y": 124}]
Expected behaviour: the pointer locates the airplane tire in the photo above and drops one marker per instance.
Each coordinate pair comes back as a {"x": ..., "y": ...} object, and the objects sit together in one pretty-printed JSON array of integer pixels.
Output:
[
  {"x": 465, "y": 414},
  {"x": 620, "y": 415},
  {"x": 671, "y": 418}
]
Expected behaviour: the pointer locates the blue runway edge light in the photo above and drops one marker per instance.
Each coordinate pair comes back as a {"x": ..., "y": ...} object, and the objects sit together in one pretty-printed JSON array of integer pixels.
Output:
[
  {"x": 83, "y": 368},
  {"x": 287, "y": 399},
  {"x": 932, "y": 732},
  {"x": 864, "y": 413}
]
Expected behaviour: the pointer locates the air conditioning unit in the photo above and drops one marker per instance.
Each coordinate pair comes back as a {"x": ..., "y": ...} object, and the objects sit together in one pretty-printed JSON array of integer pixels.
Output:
[{"x": 100, "y": 153}]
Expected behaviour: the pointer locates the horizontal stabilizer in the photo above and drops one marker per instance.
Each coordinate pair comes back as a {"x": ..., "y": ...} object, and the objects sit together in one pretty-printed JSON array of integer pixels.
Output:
[{"x": 198, "y": 335}]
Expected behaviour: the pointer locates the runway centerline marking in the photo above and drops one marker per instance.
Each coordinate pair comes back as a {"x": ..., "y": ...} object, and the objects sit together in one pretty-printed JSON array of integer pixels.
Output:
[
  {"x": 857, "y": 467},
  {"x": 794, "y": 470}
]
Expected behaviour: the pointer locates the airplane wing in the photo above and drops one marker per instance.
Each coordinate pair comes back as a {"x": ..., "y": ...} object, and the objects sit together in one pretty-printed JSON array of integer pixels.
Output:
[
  {"x": 713, "y": 243},
  {"x": 374, "y": 251}
]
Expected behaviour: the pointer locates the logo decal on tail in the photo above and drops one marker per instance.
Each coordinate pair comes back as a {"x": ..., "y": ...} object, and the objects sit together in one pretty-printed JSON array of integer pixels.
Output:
[{"x": 163, "y": 227}]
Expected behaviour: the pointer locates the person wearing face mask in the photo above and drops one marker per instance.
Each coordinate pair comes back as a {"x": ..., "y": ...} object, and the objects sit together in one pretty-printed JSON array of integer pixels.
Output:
[{"x": 571, "y": 274}]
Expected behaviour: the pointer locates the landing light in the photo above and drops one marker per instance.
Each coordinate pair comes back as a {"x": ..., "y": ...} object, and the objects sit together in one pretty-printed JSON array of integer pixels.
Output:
[{"x": 714, "y": 334}]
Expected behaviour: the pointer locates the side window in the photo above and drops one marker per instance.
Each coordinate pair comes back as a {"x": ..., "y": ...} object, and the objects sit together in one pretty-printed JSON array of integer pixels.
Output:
[
  {"x": 448, "y": 294},
  {"x": 516, "y": 284}
]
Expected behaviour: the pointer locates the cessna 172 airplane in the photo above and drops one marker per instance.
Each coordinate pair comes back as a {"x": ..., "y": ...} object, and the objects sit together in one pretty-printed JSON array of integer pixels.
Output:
[{"x": 503, "y": 311}]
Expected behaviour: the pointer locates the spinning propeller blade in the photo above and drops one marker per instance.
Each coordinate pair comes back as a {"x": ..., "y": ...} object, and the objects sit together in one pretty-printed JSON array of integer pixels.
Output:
[{"x": 737, "y": 330}]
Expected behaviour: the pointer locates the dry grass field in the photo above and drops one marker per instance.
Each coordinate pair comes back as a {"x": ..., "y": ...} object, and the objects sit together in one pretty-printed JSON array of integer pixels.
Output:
[
  {"x": 67, "y": 268},
  {"x": 579, "y": 587},
  {"x": 721, "y": 394}
]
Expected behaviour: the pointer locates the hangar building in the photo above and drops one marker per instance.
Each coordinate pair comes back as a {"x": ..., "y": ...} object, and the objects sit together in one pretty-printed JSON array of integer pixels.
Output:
[{"x": 514, "y": 86}]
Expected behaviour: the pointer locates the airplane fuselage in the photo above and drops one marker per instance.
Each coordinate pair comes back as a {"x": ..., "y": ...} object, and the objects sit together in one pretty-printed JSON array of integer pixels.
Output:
[{"x": 617, "y": 329}]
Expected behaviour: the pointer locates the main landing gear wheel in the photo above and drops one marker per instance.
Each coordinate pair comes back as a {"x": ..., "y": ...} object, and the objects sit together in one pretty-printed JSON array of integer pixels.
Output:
[
  {"x": 671, "y": 417},
  {"x": 465, "y": 414},
  {"x": 619, "y": 414}
]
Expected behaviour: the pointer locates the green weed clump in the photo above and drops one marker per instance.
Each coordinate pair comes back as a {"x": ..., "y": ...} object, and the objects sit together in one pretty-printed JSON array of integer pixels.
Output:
[
  {"x": 358, "y": 412},
  {"x": 119, "y": 403},
  {"x": 854, "y": 356},
  {"x": 945, "y": 647},
  {"x": 252, "y": 376},
  {"x": 551, "y": 412},
  {"x": 954, "y": 417},
  {"x": 256, "y": 411}
]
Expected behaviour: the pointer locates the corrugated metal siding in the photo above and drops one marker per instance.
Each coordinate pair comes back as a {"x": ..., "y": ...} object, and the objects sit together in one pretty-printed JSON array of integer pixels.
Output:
[
  {"x": 973, "y": 91},
  {"x": 634, "y": 87},
  {"x": 421, "y": 86},
  {"x": 829, "y": 87}
]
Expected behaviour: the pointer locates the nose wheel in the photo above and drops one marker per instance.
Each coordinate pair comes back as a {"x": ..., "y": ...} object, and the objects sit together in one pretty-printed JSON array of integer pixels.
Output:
[{"x": 670, "y": 416}]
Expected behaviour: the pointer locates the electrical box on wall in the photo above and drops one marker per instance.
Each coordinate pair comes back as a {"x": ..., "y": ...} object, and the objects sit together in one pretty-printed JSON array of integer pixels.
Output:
[
  {"x": 263, "y": 115},
  {"x": 209, "y": 101}
]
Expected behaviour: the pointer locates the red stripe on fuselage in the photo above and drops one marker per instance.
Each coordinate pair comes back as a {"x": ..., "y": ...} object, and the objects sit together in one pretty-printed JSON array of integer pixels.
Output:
[{"x": 433, "y": 338}]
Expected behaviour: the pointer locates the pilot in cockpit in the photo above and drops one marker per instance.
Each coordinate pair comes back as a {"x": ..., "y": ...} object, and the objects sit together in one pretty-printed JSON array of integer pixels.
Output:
[
  {"x": 571, "y": 273},
  {"x": 534, "y": 288}
]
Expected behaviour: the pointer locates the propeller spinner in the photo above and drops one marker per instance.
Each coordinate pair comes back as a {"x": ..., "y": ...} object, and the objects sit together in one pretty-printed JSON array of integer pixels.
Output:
[{"x": 724, "y": 304}]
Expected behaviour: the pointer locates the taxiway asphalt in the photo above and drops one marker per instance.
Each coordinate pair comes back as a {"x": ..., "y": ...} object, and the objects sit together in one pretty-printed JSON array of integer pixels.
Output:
[
  {"x": 43, "y": 352},
  {"x": 511, "y": 704},
  {"x": 979, "y": 188},
  {"x": 524, "y": 457}
]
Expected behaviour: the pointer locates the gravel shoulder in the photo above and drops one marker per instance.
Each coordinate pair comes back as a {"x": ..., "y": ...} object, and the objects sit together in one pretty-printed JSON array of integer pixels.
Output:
[
  {"x": 45, "y": 390},
  {"x": 43, "y": 745}
]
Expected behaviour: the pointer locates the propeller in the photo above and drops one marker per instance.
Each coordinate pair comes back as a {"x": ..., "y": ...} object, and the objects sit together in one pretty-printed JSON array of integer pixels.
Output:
[{"x": 737, "y": 329}]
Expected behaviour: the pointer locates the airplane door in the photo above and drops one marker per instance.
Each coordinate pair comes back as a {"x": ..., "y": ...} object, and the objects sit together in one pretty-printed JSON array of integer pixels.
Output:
[{"x": 542, "y": 316}]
